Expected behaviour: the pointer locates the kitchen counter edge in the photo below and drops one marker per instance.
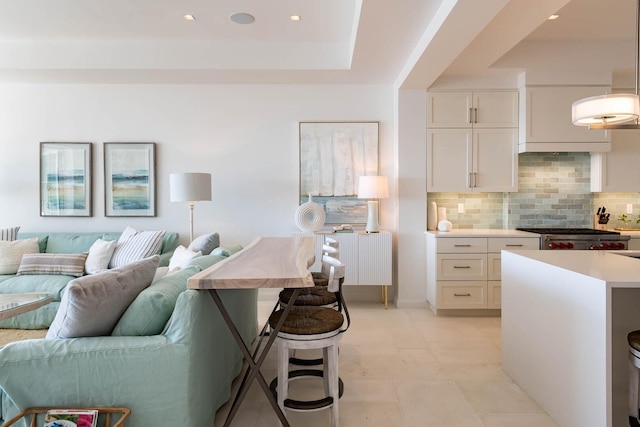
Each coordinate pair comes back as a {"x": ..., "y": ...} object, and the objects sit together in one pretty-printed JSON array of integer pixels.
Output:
[{"x": 481, "y": 233}]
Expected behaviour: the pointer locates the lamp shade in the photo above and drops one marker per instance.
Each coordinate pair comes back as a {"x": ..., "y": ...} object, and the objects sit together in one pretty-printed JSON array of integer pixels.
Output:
[
  {"x": 373, "y": 187},
  {"x": 605, "y": 109},
  {"x": 190, "y": 187}
]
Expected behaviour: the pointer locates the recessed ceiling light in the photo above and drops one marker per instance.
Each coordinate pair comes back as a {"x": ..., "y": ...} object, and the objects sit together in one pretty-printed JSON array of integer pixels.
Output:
[
  {"x": 241, "y": 18},
  {"x": 295, "y": 17},
  {"x": 189, "y": 18},
  {"x": 552, "y": 17}
]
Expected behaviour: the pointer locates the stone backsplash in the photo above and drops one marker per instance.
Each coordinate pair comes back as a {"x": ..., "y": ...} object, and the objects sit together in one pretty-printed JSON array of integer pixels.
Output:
[{"x": 553, "y": 192}]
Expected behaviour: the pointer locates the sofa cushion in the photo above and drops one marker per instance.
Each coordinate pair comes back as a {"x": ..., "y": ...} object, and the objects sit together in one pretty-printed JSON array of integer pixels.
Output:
[
  {"x": 134, "y": 245},
  {"x": 10, "y": 233},
  {"x": 92, "y": 305},
  {"x": 152, "y": 308},
  {"x": 205, "y": 243},
  {"x": 70, "y": 243},
  {"x": 65, "y": 264},
  {"x": 181, "y": 257},
  {"x": 49, "y": 283},
  {"x": 11, "y": 253},
  {"x": 206, "y": 261},
  {"x": 100, "y": 254}
]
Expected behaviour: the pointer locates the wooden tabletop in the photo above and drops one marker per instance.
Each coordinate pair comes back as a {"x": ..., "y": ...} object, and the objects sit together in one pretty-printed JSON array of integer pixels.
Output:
[{"x": 268, "y": 262}]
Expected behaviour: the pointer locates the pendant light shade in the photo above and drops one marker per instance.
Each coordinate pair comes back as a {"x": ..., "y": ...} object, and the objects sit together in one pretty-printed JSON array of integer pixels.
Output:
[{"x": 605, "y": 109}]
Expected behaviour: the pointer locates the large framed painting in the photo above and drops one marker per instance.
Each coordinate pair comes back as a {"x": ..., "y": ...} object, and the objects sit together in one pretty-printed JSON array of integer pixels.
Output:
[
  {"x": 333, "y": 156},
  {"x": 65, "y": 179},
  {"x": 130, "y": 179}
]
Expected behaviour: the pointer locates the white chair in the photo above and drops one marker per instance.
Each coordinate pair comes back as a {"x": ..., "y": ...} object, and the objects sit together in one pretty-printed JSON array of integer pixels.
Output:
[{"x": 313, "y": 328}]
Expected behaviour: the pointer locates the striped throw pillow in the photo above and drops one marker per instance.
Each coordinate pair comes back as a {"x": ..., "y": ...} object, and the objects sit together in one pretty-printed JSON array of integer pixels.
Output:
[
  {"x": 64, "y": 264},
  {"x": 134, "y": 245},
  {"x": 9, "y": 234}
]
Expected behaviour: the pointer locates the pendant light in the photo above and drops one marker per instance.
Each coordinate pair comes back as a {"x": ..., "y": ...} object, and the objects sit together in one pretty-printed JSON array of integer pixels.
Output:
[{"x": 613, "y": 111}]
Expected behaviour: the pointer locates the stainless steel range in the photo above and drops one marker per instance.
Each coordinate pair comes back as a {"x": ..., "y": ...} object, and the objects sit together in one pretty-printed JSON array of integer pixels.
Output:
[{"x": 578, "y": 238}]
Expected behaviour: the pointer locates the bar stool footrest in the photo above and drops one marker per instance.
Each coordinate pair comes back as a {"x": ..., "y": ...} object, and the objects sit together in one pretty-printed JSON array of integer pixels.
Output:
[{"x": 307, "y": 405}]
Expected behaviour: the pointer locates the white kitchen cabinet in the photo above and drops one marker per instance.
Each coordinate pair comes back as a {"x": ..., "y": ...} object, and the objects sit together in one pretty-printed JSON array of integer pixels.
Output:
[
  {"x": 464, "y": 272},
  {"x": 618, "y": 170},
  {"x": 545, "y": 120},
  {"x": 472, "y": 109},
  {"x": 472, "y": 160},
  {"x": 367, "y": 256}
]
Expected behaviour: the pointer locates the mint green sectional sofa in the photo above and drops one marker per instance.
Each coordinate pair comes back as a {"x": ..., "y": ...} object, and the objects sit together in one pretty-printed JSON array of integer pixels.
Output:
[
  {"x": 69, "y": 243},
  {"x": 170, "y": 359}
]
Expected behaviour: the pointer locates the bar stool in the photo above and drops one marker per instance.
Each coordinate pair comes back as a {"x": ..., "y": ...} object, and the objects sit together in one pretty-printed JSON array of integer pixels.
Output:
[
  {"x": 312, "y": 328},
  {"x": 633, "y": 339}
]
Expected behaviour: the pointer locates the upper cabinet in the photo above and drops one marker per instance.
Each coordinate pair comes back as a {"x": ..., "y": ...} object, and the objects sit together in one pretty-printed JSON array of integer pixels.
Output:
[
  {"x": 472, "y": 109},
  {"x": 472, "y": 141},
  {"x": 618, "y": 170},
  {"x": 545, "y": 120}
]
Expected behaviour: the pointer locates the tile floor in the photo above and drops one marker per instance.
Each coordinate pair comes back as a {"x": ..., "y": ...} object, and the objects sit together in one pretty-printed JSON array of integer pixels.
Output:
[{"x": 408, "y": 367}]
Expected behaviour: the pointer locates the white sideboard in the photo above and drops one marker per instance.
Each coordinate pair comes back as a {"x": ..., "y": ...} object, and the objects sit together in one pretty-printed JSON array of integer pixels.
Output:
[{"x": 368, "y": 257}]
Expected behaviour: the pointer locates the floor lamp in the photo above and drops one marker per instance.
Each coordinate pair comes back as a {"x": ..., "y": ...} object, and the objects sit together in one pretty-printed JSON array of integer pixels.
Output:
[
  {"x": 190, "y": 187},
  {"x": 373, "y": 187}
]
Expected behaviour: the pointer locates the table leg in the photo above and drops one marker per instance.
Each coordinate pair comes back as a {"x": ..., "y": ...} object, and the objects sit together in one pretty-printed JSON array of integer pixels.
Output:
[
  {"x": 253, "y": 365},
  {"x": 384, "y": 298}
]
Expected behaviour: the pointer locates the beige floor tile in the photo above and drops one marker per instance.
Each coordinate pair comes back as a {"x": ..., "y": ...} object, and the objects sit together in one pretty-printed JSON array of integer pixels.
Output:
[
  {"x": 518, "y": 420},
  {"x": 466, "y": 352},
  {"x": 369, "y": 391},
  {"x": 497, "y": 397},
  {"x": 434, "y": 403},
  {"x": 456, "y": 371}
]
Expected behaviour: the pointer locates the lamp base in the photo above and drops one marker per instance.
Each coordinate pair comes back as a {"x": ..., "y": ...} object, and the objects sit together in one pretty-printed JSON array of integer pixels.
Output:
[{"x": 372, "y": 217}]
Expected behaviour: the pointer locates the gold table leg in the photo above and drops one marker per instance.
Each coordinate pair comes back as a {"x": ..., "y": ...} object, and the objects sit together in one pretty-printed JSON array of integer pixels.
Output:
[{"x": 385, "y": 301}]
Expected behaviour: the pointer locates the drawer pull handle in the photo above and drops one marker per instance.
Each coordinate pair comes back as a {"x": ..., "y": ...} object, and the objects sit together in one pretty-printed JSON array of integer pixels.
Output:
[
  {"x": 461, "y": 266},
  {"x": 510, "y": 245},
  {"x": 461, "y": 295},
  {"x": 461, "y": 246}
]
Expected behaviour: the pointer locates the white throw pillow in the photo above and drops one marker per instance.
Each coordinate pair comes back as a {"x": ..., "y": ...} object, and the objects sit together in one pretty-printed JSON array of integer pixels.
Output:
[
  {"x": 134, "y": 245},
  {"x": 9, "y": 234},
  {"x": 181, "y": 257},
  {"x": 92, "y": 305},
  {"x": 11, "y": 253},
  {"x": 100, "y": 254}
]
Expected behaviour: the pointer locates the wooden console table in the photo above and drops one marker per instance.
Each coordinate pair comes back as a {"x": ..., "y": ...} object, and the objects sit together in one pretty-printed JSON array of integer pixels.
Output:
[{"x": 268, "y": 262}]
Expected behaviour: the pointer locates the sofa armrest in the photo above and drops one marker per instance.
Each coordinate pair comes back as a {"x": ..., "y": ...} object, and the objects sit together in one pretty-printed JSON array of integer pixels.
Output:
[{"x": 146, "y": 374}]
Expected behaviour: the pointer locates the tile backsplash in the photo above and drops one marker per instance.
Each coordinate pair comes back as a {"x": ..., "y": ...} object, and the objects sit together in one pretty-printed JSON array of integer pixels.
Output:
[{"x": 553, "y": 192}]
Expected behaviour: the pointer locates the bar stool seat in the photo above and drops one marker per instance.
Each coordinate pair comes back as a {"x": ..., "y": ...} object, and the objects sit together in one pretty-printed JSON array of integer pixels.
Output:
[{"x": 317, "y": 296}]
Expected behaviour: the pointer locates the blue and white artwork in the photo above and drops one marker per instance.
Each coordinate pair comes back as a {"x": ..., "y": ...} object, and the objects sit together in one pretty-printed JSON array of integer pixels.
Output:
[
  {"x": 333, "y": 156},
  {"x": 129, "y": 179}
]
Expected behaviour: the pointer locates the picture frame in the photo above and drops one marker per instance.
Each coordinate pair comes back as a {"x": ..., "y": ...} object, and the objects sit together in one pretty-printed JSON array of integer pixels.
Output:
[
  {"x": 65, "y": 179},
  {"x": 129, "y": 179},
  {"x": 333, "y": 156}
]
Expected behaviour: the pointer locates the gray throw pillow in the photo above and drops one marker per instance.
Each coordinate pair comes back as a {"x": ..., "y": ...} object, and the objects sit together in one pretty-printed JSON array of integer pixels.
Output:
[
  {"x": 205, "y": 243},
  {"x": 92, "y": 305}
]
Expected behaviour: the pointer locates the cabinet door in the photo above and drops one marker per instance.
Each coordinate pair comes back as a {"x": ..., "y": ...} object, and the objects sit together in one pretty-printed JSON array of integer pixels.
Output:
[
  {"x": 494, "y": 294},
  {"x": 449, "y": 154},
  {"x": 495, "y": 160},
  {"x": 547, "y": 117},
  {"x": 348, "y": 248},
  {"x": 449, "y": 109},
  {"x": 495, "y": 109},
  {"x": 374, "y": 259},
  {"x": 617, "y": 170}
]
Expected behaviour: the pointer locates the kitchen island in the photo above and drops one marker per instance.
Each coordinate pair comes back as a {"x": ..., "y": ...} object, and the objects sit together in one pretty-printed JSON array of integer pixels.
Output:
[{"x": 565, "y": 319}]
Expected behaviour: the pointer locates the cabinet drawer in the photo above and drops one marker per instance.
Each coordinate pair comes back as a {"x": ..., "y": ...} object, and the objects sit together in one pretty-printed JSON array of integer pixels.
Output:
[
  {"x": 494, "y": 294},
  {"x": 462, "y": 294},
  {"x": 452, "y": 245},
  {"x": 462, "y": 267},
  {"x": 496, "y": 244}
]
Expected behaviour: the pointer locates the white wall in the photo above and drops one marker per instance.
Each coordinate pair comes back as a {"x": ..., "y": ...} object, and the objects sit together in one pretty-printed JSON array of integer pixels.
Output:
[{"x": 245, "y": 135}]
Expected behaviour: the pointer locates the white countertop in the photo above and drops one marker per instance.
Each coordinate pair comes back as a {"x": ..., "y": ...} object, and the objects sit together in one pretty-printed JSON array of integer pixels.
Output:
[
  {"x": 610, "y": 266},
  {"x": 481, "y": 233}
]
